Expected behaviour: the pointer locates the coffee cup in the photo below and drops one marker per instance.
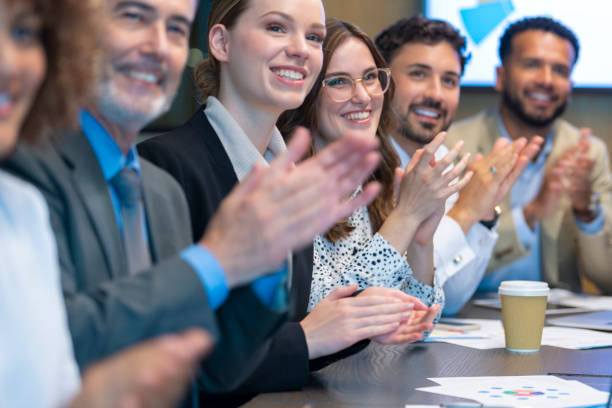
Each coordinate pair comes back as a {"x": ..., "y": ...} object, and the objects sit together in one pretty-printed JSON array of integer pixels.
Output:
[{"x": 523, "y": 313}]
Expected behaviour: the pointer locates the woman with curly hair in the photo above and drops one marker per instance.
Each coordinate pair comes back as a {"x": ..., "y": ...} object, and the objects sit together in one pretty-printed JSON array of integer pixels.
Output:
[{"x": 45, "y": 67}]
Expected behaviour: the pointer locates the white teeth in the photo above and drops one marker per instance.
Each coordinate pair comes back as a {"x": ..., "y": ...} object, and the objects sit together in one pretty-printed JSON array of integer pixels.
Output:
[
  {"x": 4, "y": 98},
  {"x": 427, "y": 113},
  {"x": 540, "y": 96},
  {"x": 143, "y": 76},
  {"x": 357, "y": 115},
  {"x": 289, "y": 74}
]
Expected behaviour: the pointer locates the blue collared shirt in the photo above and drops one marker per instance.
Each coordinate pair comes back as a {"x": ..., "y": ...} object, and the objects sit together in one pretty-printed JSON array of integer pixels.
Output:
[
  {"x": 111, "y": 161},
  {"x": 523, "y": 192}
]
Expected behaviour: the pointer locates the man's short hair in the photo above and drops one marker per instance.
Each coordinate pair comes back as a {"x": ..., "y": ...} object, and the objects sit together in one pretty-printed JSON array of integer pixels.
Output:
[
  {"x": 536, "y": 23},
  {"x": 419, "y": 29}
]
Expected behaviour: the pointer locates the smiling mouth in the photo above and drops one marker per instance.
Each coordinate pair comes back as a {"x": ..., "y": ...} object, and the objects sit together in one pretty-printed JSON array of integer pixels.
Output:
[
  {"x": 539, "y": 96},
  {"x": 427, "y": 113},
  {"x": 358, "y": 116},
  {"x": 144, "y": 76},
  {"x": 289, "y": 74}
]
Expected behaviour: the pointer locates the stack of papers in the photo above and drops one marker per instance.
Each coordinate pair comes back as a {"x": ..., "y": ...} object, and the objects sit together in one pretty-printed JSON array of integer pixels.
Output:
[
  {"x": 520, "y": 391},
  {"x": 491, "y": 335}
]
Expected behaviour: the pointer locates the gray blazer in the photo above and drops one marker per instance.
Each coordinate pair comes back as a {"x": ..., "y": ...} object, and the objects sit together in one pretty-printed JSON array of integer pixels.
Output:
[{"x": 108, "y": 309}]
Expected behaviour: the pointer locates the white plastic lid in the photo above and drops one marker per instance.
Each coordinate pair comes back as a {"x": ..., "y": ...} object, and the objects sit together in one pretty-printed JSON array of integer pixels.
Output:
[{"x": 524, "y": 288}]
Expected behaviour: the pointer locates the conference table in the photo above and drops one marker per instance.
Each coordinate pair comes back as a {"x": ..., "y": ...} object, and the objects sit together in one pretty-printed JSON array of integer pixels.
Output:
[{"x": 387, "y": 376}]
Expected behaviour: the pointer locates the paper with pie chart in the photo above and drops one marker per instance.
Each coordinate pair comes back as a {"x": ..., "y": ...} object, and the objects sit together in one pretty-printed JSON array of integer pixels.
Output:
[{"x": 520, "y": 391}]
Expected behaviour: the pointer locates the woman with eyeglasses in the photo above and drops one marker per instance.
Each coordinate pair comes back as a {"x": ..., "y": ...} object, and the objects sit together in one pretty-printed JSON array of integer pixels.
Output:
[
  {"x": 264, "y": 57},
  {"x": 389, "y": 242}
]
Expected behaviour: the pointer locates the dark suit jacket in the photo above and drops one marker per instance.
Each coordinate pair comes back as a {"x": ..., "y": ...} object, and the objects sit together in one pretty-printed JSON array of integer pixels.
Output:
[
  {"x": 108, "y": 309},
  {"x": 194, "y": 155}
]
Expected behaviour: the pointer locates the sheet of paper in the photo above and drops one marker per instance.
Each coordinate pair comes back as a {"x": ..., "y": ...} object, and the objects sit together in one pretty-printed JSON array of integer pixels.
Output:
[
  {"x": 567, "y": 298},
  {"x": 519, "y": 391},
  {"x": 491, "y": 335},
  {"x": 570, "y": 338}
]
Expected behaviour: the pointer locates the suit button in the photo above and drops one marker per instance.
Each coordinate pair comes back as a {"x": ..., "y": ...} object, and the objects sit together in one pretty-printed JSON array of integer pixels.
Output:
[{"x": 457, "y": 259}]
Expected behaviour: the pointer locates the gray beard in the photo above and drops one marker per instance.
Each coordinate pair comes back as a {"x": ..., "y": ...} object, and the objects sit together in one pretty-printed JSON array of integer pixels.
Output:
[{"x": 116, "y": 113}]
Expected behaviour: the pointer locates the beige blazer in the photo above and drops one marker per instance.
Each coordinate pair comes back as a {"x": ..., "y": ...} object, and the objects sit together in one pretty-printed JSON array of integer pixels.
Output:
[{"x": 567, "y": 252}]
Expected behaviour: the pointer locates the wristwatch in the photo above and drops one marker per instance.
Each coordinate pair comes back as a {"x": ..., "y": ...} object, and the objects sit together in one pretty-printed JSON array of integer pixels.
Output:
[
  {"x": 491, "y": 223},
  {"x": 592, "y": 210}
]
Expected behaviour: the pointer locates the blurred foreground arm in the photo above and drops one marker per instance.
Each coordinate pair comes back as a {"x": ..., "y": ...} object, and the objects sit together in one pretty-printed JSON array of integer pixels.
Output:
[
  {"x": 281, "y": 208},
  {"x": 151, "y": 374}
]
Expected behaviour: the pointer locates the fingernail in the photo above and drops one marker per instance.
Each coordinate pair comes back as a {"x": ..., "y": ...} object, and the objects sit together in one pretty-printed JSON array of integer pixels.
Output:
[
  {"x": 406, "y": 315},
  {"x": 410, "y": 306}
]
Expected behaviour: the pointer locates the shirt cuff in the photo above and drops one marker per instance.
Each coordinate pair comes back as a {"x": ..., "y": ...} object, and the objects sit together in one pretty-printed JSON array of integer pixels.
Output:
[
  {"x": 268, "y": 288},
  {"x": 527, "y": 236},
  {"x": 210, "y": 273},
  {"x": 452, "y": 251},
  {"x": 594, "y": 226}
]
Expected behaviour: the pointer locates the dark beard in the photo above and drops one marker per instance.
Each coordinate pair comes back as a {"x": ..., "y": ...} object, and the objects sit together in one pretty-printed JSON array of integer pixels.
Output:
[
  {"x": 420, "y": 136},
  {"x": 406, "y": 130},
  {"x": 516, "y": 107}
]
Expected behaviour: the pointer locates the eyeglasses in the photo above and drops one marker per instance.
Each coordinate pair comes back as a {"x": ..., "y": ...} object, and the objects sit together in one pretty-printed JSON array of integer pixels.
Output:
[{"x": 341, "y": 88}]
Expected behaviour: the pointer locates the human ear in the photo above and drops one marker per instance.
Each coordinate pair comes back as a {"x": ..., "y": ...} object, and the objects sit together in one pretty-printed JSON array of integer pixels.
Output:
[
  {"x": 499, "y": 78},
  {"x": 218, "y": 42}
]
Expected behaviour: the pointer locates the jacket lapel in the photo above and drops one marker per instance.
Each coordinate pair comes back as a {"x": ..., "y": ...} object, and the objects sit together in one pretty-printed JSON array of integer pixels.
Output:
[
  {"x": 156, "y": 202},
  {"x": 551, "y": 225},
  {"x": 493, "y": 131},
  {"x": 505, "y": 249},
  {"x": 222, "y": 164},
  {"x": 91, "y": 186}
]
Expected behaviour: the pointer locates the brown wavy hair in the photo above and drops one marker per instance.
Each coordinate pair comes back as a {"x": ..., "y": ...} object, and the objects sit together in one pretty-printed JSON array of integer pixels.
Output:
[
  {"x": 68, "y": 38},
  {"x": 206, "y": 72},
  {"x": 338, "y": 32}
]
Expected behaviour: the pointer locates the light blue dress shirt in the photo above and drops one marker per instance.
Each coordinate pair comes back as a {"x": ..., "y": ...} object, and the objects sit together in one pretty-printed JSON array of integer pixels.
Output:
[
  {"x": 523, "y": 192},
  {"x": 208, "y": 269}
]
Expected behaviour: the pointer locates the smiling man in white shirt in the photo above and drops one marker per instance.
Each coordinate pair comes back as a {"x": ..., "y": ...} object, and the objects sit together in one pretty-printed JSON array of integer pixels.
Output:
[{"x": 427, "y": 59}]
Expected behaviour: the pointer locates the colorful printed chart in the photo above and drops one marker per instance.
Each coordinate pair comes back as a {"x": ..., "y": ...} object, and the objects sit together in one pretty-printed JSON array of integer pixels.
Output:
[
  {"x": 517, "y": 391},
  {"x": 525, "y": 393}
]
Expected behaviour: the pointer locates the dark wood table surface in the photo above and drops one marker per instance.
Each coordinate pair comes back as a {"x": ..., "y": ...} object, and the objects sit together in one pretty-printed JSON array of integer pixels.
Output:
[{"x": 387, "y": 376}]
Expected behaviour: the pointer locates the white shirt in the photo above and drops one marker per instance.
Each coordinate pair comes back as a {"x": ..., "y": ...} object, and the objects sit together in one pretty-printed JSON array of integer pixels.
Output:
[
  {"x": 37, "y": 365},
  {"x": 241, "y": 151},
  {"x": 243, "y": 155},
  {"x": 460, "y": 259}
]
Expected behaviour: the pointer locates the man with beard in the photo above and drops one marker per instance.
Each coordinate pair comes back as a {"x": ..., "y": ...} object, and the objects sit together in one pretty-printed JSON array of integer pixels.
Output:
[
  {"x": 129, "y": 270},
  {"x": 556, "y": 226},
  {"x": 427, "y": 60}
]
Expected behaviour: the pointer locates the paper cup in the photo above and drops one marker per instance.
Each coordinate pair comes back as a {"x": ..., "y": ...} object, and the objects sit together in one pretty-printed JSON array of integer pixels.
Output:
[{"x": 523, "y": 313}]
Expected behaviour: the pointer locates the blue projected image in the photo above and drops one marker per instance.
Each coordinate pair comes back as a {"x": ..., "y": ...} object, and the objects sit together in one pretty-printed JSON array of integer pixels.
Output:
[
  {"x": 483, "y": 22},
  {"x": 479, "y": 21}
]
